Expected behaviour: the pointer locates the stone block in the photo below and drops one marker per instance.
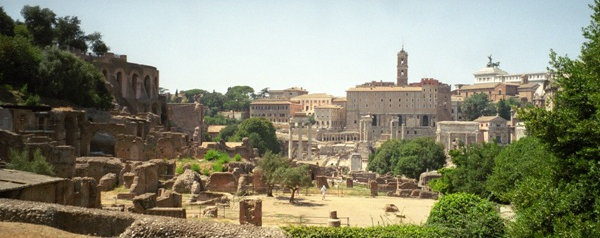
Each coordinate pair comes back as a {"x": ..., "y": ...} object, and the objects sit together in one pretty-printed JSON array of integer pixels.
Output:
[
  {"x": 251, "y": 212},
  {"x": 222, "y": 182},
  {"x": 373, "y": 185}
]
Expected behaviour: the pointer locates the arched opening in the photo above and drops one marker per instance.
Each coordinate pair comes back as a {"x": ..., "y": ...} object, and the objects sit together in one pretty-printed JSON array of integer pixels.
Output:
[
  {"x": 155, "y": 108},
  {"x": 148, "y": 86},
  {"x": 134, "y": 85},
  {"x": 104, "y": 73},
  {"x": 120, "y": 83},
  {"x": 102, "y": 144},
  {"x": 156, "y": 85}
]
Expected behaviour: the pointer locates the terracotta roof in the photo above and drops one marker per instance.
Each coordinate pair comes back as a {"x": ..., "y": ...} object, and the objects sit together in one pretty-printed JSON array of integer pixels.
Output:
[
  {"x": 312, "y": 95},
  {"x": 487, "y": 118},
  {"x": 479, "y": 86},
  {"x": 329, "y": 106},
  {"x": 529, "y": 85},
  {"x": 385, "y": 89},
  {"x": 263, "y": 101},
  {"x": 215, "y": 128}
]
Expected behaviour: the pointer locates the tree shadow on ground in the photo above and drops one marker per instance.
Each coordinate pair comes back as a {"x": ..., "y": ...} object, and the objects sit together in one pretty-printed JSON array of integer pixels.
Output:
[{"x": 299, "y": 202}]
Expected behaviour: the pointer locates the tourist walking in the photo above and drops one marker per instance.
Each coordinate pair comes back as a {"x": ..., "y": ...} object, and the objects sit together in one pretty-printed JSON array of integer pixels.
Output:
[{"x": 323, "y": 190}]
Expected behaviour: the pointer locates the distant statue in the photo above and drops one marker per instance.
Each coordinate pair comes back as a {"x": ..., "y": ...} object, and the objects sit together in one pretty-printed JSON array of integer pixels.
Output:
[{"x": 491, "y": 64}]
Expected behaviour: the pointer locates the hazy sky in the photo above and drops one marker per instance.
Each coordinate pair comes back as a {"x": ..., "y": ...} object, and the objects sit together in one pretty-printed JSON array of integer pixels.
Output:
[{"x": 326, "y": 46}]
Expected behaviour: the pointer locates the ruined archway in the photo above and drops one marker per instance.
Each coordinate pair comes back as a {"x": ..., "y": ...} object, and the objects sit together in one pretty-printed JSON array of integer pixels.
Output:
[
  {"x": 134, "y": 84},
  {"x": 148, "y": 86},
  {"x": 102, "y": 143}
]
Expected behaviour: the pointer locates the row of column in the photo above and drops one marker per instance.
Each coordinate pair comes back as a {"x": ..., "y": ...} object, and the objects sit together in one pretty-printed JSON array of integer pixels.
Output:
[{"x": 300, "y": 126}]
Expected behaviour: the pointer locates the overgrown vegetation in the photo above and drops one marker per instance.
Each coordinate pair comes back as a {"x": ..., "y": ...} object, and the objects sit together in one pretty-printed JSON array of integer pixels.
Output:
[
  {"x": 38, "y": 163},
  {"x": 466, "y": 215},
  {"x": 407, "y": 157},
  {"x": 260, "y": 132},
  {"x": 366, "y": 232},
  {"x": 32, "y": 57}
]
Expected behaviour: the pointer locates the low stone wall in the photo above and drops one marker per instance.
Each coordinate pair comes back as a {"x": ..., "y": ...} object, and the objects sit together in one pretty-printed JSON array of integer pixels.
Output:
[{"x": 99, "y": 222}]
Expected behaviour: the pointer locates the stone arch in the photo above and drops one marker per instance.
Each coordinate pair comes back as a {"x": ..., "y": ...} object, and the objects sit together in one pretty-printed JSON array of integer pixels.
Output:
[
  {"x": 135, "y": 84},
  {"x": 155, "y": 108},
  {"x": 106, "y": 129},
  {"x": 121, "y": 82},
  {"x": 102, "y": 143},
  {"x": 148, "y": 86}
]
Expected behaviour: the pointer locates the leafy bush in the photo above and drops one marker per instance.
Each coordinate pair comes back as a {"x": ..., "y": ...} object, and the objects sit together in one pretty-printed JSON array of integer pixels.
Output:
[
  {"x": 195, "y": 167},
  {"x": 38, "y": 165},
  {"x": 237, "y": 157},
  {"x": 365, "y": 232},
  {"x": 408, "y": 157},
  {"x": 217, "y": 167},
  {"x": 466, "y": 215},
  {"x": 179, "y": 170},
  {"x": 211, "y": 155},
  {"x": 206, "y": 172},
  {"x": 33, "y": 100}
]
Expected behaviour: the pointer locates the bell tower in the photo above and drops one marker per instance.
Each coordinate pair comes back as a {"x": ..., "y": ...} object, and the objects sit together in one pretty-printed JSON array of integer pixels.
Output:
[{"x": 402, "y": 78}]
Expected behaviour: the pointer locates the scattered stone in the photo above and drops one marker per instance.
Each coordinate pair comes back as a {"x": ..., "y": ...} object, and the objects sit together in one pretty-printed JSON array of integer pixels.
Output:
[
  {"x": 391, "y": 208},
  {"x": 108, "y": 182}
]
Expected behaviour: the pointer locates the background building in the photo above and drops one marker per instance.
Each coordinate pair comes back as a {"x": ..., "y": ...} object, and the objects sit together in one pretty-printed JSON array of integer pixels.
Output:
[
  {"x": 286, "y": 93},
  {"x": 276, "y": 111}
]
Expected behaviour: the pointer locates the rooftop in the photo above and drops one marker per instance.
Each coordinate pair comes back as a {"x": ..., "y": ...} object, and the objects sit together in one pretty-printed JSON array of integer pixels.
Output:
[
  {"x": 385, "y": 89},
  {"x": 15, "y": 179},
  {"x": 312, "y": 95},
  {"x": 487, "y": 118},
  {"x": 271, "y": 102},
  {"x": 329, "y": 106},
  {"x": 215, "y": 128},
  {"x": 490, "y": 71},
  {"x": 480, "y": 86}
]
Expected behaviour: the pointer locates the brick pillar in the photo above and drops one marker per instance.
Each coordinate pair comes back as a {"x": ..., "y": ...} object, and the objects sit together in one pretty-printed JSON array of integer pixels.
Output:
[
  {"x": 334, "y": 221},
  {"x": 251, "y": 212},
  {"x": 373, "y": 185},
  {"x": 349, "y": 183}
]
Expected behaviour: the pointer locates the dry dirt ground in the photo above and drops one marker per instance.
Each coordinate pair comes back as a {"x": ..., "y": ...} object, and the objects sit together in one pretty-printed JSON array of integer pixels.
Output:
[
  {"x": 309, "y": 209},
  {"x": 25, "y": 230}
]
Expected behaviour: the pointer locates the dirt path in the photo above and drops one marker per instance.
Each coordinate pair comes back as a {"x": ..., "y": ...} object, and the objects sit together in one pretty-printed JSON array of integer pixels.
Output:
[
  {"x": 26, "y": 230},
  {"x": 311, "y": 210}
]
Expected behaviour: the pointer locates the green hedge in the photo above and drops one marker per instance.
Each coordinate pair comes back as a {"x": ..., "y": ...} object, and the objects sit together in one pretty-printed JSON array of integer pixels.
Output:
[{"x": 363, "y": 232}]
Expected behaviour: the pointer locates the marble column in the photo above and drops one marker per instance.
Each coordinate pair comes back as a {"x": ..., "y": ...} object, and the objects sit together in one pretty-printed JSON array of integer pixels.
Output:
[
  {"x": 299, "y": 149},
  {"x": 309, "y": 148},
  {"x": 291, "y": 141}
]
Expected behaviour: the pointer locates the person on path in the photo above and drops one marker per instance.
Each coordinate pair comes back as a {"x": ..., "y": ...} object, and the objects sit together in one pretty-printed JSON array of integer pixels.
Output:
[{"x": 323, "y": 190}]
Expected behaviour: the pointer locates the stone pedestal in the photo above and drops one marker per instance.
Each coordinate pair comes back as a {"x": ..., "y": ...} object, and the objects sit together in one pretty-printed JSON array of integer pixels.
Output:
[
  {"x": 349, "y": 183},
  {"x": 251, "y": 212},
  {"x": 333, "y": 221},
  {"x": 373, "y": 186}
]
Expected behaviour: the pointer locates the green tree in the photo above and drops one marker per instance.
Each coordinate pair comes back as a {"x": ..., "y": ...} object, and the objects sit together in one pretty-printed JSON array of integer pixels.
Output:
[
  {"x": 238, "y": 98},
  {"x": 227, "y": 132},
  {"x": 408, "y": 157},
  {"x": 7, "y": 24},
  {"x": 523, "y": 159},
  {"x": 69, "y": 34},
  {"x": 568, "y": 204},
  {"x": 476, "y": 106},
  {"x": 268, "y": 164},
  {"x": 19, "y": 61},
  {"x": 263, "y": 93},
  {"x": 66, "y": 77},
  {"x": 503, "y": 107},
  {"x": 473, "y": 165},
  {"x": 40, "y": 23},
  {"x": 261, "y": 133},
  {"x": 38, "y": 164},
  {"x": 293, "y": 178},
  {"x": 97, "y": 45},
  {"x": 466, "y": 215}
]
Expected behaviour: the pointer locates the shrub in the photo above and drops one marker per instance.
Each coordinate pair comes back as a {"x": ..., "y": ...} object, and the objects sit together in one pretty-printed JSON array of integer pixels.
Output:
[
  {"x": 466, "y": 215},
  {"x": 360, "y": 232},
  {"x": 211, "y": 155},
  {"x": 33, "y": 100},
  {"x": 195, "y": 167},
  {"x": 217, "y": 167},
  {"x": 237, "y": 157},
  {"x": 179, "y": 170},
  {"x": 206, "y": 172},
  {"x": 39, "y": 165}
]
